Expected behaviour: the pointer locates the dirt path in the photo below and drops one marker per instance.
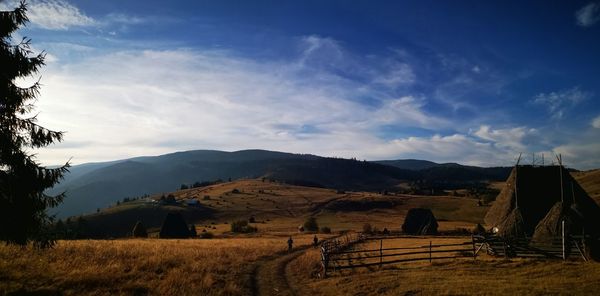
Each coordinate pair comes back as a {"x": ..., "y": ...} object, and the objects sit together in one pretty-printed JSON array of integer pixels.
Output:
[{"x": 269, "y": 275}]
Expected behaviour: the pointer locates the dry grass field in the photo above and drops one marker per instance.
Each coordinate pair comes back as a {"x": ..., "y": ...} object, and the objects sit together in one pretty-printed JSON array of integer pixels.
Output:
[
  {"x": 484, "y": 276},
  {"x": 281, "y": 208},
  {"x": 133, "y": 266},
  {"x": 590, "y": 181},
  {"x": 258, "y": 264},
  {"x": 227, "y": 267}
]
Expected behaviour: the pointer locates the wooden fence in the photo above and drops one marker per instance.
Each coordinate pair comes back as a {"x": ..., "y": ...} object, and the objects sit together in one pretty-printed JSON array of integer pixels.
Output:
[
  {"x": 348, "y": 257},
  {"x": 342, "y": 253},
  {"x": 552, "y": 248}
]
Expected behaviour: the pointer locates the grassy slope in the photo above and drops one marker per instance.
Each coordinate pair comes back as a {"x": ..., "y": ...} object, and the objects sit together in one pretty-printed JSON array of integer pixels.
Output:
[
  {"x": 136, "y": 267},
  {"x": 281, "y": 208},
  {"x": 590, "y": 181}
]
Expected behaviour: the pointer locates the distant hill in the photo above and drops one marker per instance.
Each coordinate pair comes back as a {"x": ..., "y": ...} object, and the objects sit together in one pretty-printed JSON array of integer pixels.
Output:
[
  {"x": 92, "y": 186},
  {"x": 409, "y": 164},
  {"x": 449, "y": 172}
]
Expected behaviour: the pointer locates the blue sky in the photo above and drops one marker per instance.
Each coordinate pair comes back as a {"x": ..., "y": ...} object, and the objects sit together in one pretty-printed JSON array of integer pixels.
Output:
[{"x": 475, "y": 82}]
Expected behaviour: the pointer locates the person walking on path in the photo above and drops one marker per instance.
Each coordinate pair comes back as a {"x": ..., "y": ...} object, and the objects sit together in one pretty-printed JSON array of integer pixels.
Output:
[
  {"x": 290, "y": 243},
  {"x": 315, "y": 241}
]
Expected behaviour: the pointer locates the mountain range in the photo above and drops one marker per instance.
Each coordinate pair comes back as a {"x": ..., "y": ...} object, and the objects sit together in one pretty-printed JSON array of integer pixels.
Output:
[{"x": 97, "y": 185}]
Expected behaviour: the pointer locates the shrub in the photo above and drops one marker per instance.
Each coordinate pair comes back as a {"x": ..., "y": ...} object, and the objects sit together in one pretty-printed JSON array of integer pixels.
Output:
[
  {"x": 311, "y": 224},
  {"x": 242, "y": 226},
  {"x": 367, "y": 228},
  {"x": 252, "y": 220},
  {"x": 207, "y": 197},
  {"x": 325, "y": 229},
  {"x": 235, "y": 190},
  {"x": 207, "y": 235},
  {"x": 193, "y": 232}
]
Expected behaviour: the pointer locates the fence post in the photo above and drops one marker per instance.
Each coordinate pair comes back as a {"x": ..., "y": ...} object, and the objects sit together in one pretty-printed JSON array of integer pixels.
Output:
[
  {"x": 380, "y": 253},
  {"x": 474, "y": 249},
  {"x": 430, "y": 252},
  {"x": 563, "y": 240},
  {"x": 324, "y": 261}
]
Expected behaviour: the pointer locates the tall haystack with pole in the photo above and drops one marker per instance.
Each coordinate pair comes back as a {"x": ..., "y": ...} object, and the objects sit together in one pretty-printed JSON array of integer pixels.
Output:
[
  {"x": 419, "y": 221},
  {"x": 174, "y": 226},
  {"x": 537, "y": 199}
]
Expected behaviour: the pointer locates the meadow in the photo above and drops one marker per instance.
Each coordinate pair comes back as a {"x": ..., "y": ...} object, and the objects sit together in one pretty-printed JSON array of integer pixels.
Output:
[
  {"x": 139, "y": 266},
  {"x": 234, "y": 266},
  {"x": 259, "y": 264}
]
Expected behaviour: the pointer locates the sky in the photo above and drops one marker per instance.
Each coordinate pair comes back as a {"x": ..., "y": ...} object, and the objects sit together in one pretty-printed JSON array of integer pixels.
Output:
[{"x": 473, "y": 82}]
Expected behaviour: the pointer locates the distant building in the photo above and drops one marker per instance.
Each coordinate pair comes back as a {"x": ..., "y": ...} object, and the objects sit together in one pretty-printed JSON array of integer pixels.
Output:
[{"x": 192, "y": 202}]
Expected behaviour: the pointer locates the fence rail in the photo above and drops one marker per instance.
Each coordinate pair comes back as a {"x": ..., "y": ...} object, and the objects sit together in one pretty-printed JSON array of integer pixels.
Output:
[
  {"x": 347, "y": 257},
  {"x": 341, "y": 253}
]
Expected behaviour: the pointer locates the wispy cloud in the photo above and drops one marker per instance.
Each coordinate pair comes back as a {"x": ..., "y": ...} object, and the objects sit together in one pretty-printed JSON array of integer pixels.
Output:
[
  {"x": 217, "y": 99},
  {"x": 324, "y": 100},
  {"x": 52, "y": 14},
  {"x": 588, "y": 15},
  {"x": 596, "y": 122},
  {"x": 60, "y": 15},
  {"x": 557, "y": 103},
  {"x": 511, "y": 138}
]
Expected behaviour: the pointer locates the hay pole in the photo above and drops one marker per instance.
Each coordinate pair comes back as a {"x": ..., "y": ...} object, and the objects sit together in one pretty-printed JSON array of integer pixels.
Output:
[
  {"x": 563, "y": 240},
  {"x": 516, "y": 180},
  {"x": 581, "y": 252},
  {"x": 562, "y": 199}
]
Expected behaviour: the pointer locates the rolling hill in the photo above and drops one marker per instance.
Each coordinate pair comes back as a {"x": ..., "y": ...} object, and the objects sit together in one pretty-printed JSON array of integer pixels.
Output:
[
  {"x": 89, "y": 187},
  {"x": 97, "y": 185},
  {"x": 279, "y": 207}
]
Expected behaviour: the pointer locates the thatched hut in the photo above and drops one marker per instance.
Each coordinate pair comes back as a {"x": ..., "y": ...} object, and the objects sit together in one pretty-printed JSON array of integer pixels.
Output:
[
  {"x": 174, "y": 226},
  {"x": 537, "y": 199},
  {"x": 420, "y": 221}
]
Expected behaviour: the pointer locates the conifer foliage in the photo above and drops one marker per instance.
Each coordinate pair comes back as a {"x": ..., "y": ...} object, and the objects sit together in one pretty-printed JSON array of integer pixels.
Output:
[{"x": 23, "y": 203}]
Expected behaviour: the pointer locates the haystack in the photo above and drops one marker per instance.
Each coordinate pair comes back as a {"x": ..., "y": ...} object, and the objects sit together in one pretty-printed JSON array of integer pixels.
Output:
[
  {"x": 420, "y": 221},
  {"x": 513, "y": 225},
  {"x": 174, "y": 226},
  {"x": 530, "y": 194},
  {"x": 550, "y": 228},
  {"x": 139, "y": 230}
]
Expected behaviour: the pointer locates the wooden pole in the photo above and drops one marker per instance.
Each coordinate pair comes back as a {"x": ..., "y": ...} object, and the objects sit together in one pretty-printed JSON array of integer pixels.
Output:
[
  {"x": 562, "y": 199},
  {"x": 380, "y": 253},
  {"x": 516, "y": 178},
  {"x": 563, "y": 240},
  {"x": 474, "y": 249},
  {"x": 430, "y": 252},
  {"x": 324, "y": 261}
]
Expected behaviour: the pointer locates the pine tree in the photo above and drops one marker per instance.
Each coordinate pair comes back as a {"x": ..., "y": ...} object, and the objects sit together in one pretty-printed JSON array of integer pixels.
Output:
[{"x": 23, "y": 203}]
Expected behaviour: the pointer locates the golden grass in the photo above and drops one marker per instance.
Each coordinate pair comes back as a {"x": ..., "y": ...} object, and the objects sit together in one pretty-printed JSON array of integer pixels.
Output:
[
  {"x": 126, "y": 267},
  {"x": 484, "y": 276},
  {"x": 466, "y": 277}
]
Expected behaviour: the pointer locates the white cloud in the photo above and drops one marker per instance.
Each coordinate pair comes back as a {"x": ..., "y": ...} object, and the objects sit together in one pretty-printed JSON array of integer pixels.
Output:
[
  {"x": 596, "y": 122},
  {"x": 557, "y": 103},
  {"x": 130, "y": 103},
  {"x": 152, "y": 102},
  {"x": 588, "y": 15},
  {"x": 57, "y": 15},
  {"x": 511, "y": 138}
]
